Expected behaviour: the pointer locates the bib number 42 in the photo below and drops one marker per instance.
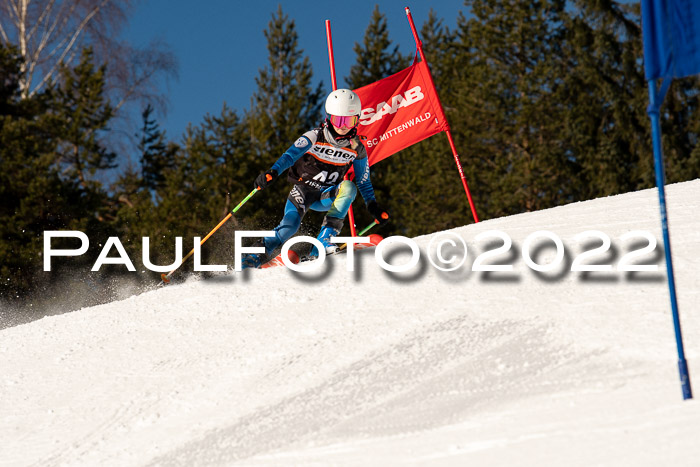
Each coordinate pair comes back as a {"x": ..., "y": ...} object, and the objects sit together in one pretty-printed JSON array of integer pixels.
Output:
[{"x": 323, "y": 177}]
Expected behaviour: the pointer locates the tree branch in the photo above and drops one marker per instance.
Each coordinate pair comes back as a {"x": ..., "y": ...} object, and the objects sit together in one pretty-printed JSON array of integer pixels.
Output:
[{"x": 68, "y": 47}]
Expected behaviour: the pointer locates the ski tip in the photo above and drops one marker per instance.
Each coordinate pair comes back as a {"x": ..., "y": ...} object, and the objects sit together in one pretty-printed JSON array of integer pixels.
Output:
[
  {"x": 375, "y": 239},
  {"x": 277, "y": 260},
  {"x": 293, "y": 257}
]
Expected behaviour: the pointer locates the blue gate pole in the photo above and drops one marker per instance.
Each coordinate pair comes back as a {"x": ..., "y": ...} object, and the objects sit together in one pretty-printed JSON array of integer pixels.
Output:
[{"x": 655, "y": 100}]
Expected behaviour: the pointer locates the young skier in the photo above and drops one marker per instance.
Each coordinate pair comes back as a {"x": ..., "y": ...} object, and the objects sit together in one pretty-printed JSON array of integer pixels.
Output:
[{"x": 317, "y": 162}]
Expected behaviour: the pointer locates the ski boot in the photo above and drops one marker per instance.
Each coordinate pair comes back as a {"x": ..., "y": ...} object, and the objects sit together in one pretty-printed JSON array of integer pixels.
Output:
[
  {"x": 255, "y": 260},
  {"x": 325, "y": 238}
]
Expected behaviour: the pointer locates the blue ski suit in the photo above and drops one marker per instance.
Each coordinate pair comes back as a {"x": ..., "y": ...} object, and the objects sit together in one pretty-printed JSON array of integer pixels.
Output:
[{"x": 317, "y": 163}]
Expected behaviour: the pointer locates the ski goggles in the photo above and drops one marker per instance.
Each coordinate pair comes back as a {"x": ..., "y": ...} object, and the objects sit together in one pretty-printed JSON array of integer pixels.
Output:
[{"x": 345, "y": 121}]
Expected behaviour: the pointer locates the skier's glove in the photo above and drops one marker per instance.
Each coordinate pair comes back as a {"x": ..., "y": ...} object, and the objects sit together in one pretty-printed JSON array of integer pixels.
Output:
[
  {"x": 264, "y": 179},
  {"x": 381, "y": 215}
]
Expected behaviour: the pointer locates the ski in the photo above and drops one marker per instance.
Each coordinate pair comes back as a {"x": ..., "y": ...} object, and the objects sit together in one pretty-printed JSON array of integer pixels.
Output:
[
  {"x": 374, "y": 240},
  {"x": 277, "y": 260}
]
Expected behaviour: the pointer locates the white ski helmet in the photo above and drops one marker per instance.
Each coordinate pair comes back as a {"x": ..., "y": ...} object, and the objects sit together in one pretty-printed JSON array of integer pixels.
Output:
[{"x": 343, "y": 103}]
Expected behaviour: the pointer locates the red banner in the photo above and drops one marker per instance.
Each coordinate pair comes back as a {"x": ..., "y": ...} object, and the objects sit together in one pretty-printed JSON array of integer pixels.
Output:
[{"x": 399, "y": 111}]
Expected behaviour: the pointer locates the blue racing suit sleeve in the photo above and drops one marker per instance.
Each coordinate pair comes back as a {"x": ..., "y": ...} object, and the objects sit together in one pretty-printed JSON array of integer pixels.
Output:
[
  {"x": 364, "y": 184},
  {"x": 292, "y": 154}
]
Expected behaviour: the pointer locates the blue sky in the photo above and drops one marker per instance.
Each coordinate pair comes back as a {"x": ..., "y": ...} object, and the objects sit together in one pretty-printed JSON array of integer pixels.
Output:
[{"x": 220, "y": 44}]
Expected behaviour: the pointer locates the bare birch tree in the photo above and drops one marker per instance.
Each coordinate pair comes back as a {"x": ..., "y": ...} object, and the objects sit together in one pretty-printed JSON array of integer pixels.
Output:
[{"x": 51, "y": 32}]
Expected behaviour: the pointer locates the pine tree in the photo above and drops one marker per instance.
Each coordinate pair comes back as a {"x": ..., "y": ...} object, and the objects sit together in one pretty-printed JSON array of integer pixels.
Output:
[
  {"x": 210, "y": 174},
  {"x": 605, "y": 123},
  {"x": 84, "y": 113},
  {"x": 137, "y": 191},
  {"x": 24, "y": 178},
  {"x": 216, "y": 170},
  {"x": 376, "y": 59},
  {"x": 39, "y": 193},
  {"x": 510, "y": 74},
  {"x": 284, "y": 106},
  {"x": 156, "y": 154}
]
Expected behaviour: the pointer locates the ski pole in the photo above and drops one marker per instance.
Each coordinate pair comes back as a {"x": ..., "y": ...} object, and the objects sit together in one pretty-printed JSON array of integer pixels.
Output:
[
  {"x": 165, "y": 278},
  {"x": 366, "y": 229},
  {"x": 359, "y": 234}
]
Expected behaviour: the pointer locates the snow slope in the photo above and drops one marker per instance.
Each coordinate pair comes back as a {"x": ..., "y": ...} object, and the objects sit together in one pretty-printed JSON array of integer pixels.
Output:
[{"x": 270, "y": 367}]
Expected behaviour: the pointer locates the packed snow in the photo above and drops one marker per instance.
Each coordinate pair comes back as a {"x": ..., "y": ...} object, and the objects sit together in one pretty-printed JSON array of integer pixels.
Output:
[{"x": 426, "y": 367}]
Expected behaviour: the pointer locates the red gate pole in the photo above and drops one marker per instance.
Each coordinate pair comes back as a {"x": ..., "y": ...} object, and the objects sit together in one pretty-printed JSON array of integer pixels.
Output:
[
  {"x": 331, "y": 61},
  {"x": 419, "y": 44},
  {"x": 329, "y": 39}
]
